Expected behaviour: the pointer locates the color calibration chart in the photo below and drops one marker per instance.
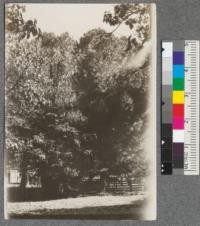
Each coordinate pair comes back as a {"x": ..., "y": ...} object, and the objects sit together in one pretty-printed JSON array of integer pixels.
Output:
[{"x": 180, "y": 108}]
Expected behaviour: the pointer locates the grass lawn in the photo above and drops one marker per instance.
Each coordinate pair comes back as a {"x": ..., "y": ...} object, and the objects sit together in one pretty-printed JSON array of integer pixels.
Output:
[{"x": 90, "y": 207}]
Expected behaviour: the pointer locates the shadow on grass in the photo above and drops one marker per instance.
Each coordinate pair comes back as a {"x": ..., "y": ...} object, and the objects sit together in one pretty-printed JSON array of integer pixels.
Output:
[{"x": 15, "y": 194}]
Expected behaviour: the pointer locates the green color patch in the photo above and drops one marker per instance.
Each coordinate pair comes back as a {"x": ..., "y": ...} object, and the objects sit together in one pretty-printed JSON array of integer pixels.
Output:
[{"x": 178, "y": 84}]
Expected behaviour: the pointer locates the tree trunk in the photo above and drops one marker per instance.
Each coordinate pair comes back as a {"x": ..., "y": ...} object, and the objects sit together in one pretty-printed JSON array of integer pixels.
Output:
[
  {"x": 23, "y": 180},
  {"x": 24, "y": 172},
  {"x": 23, "y": 177},
  {"x": 44, "y": 177}
]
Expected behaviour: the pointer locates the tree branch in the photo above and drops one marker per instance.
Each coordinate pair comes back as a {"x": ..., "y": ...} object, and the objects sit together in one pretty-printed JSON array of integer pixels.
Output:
[
  {"x": 115, "y": 28},
  {"x": 123, "y": 19}
]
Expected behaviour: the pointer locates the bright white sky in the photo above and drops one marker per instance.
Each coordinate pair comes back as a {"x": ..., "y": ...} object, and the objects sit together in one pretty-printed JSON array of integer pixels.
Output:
[{"x": 76, "y": 19}]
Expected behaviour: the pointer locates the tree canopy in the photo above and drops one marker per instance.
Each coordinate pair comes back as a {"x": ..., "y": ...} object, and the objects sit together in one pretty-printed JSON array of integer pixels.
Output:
[{"x": 74, "y": 104}]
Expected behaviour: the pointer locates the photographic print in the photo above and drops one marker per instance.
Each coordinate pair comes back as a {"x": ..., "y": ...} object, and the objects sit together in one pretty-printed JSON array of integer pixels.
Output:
[{"x": 80, "y": 111}]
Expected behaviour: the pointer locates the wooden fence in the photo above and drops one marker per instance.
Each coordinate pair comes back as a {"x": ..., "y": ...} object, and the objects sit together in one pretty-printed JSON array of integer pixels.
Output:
[{"x": 124, "y": 185}]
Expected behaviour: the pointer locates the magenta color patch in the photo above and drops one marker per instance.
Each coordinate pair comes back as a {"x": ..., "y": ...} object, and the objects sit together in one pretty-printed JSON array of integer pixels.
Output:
[{"x": 178, "y": 123}]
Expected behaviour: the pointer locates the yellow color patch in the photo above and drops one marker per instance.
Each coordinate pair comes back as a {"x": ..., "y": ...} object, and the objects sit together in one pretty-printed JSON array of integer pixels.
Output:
[{"x": 178, "y": 97}]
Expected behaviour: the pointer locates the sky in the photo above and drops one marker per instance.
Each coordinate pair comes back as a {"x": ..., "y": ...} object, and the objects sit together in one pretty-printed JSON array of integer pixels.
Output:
[{"x": 76, "y": 19}]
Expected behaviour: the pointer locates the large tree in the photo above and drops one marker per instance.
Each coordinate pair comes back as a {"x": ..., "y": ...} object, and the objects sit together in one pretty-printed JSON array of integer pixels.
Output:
[
  {"x": 115, "y": 101},
  {"x": 74, "y": 106},
  {"x": 42, "y": 101}
]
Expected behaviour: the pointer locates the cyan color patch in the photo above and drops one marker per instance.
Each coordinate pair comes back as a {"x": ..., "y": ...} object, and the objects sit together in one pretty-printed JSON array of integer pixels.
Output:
[{"x": 178, "y": 71}]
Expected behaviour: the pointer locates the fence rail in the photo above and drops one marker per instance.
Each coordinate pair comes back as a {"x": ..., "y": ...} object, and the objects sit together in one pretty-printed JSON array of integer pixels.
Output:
[{"x": 124, "y": 186}]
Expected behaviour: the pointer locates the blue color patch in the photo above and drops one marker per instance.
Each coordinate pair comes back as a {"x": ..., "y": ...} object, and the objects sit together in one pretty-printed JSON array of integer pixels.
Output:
[
  {"x": 178, "y": 71},
  {"x": 178, "y": 57}
]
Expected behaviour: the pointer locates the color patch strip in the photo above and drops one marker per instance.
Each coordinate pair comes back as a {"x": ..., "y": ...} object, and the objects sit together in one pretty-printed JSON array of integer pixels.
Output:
[
  {"x": 178, "y": 84},
  {"x": 178, "y": 136},
  {"x": 178, "y": 107},
  {"x": 191, "y": 110},
  {"x": 178, "y": 57},
  {"x": 178, "y": 97},
  {"x": 178, "y": 71},
  {"x": 166, "y": 129},
  {"x": 178, "y": 149},
  {"x": 178, "y": 110},
  {"x": 178, "y": 123}
]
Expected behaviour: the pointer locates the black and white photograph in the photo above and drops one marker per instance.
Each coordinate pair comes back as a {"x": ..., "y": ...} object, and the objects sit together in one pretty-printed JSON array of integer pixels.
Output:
[{"x": 80, "y": 111}]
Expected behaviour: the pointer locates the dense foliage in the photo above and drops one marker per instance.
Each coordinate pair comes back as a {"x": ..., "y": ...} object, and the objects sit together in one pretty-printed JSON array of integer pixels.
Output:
[{"x": 74, "y": 105}]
